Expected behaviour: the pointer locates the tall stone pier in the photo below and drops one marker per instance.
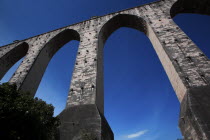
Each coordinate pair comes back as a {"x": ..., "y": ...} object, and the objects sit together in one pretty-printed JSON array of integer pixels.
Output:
[{"x": 187, "y": 67}]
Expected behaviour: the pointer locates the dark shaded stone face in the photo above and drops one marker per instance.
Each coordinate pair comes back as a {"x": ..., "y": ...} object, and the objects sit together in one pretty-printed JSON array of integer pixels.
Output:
[
  {"x": 84, "y": 122},
  {"x": 194, "y": 116},
  {"x": 185, "y": 64}
]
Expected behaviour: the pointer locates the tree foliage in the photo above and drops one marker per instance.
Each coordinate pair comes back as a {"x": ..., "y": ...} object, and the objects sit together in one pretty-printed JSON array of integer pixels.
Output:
[{"x": 24, "y": 117}]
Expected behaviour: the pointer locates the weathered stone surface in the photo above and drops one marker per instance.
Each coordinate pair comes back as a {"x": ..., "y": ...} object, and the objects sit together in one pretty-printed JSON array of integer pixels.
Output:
[
  {"x": 194, "y": 116},
  {"x": 185, "y": 64},
  {"x": 84, "y": 121}
]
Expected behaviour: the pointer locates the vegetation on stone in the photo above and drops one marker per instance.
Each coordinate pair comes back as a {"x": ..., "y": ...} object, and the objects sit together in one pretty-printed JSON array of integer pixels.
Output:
[{"x": 23, "y": 117}]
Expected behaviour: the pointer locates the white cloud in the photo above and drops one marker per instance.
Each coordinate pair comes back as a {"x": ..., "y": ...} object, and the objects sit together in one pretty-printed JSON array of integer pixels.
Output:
[{"x": 137, "y": 134}]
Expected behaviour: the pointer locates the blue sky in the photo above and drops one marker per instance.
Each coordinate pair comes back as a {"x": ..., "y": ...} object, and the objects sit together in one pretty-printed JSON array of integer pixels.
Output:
[{"x": 140, "y": 103}]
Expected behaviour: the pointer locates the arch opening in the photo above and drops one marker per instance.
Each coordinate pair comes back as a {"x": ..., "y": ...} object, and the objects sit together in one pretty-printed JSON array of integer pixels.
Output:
[
  {"x": 190, "y": 6},
  {"x": 121, "y": 20},
  {"x": 11, "y": 72},
  {"x": 48, "y": 51},
  {"x": 55, "y": 82},
  {"x": 124, "y": 93},
  {"x": 197, "y": 28},
  {"x": 12, "y": 58},
  {"x": 193, "y": 17}
]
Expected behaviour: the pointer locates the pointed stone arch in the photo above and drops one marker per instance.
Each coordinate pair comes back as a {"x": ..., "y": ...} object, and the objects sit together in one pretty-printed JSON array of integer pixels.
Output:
[
  {"x": 190, "y": 6},
  {"x": 174, "y": 60},
  {"x": 43, "y": 57},
  {"x": 116, "y": 22},
  {"x": 121, "y": 20},
  {"x": 12, "y": 56}
]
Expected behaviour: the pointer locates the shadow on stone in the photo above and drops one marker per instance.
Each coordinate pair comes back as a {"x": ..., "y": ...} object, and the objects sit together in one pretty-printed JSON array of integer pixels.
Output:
[{"x": 84, "y": 122}]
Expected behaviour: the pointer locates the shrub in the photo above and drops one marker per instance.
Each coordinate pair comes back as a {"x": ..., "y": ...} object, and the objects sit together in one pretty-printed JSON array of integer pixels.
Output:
[{"x": 24, "y": 117}]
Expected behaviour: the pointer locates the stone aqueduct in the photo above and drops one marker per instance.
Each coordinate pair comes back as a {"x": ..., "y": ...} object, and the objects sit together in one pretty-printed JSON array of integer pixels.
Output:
[{"x": 185, "y": 64}]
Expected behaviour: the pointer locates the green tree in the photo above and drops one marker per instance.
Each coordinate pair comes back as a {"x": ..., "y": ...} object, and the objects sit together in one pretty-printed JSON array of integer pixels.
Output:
[{"x": 23, "y": 117}]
